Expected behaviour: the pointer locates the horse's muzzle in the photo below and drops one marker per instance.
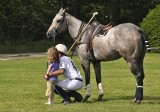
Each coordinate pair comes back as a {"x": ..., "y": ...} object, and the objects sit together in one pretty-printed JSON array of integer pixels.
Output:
[{"x": 51, "y": 33}]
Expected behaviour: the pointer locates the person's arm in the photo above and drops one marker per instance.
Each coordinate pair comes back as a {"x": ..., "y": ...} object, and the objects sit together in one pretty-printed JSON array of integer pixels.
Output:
[
  {"x": 49, "y": 67},
  {"x": 57, "y": 72},
  {"x": 46, "y": 76}
]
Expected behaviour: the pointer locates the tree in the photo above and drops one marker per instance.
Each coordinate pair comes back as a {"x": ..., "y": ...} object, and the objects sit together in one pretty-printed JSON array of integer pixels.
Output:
[
  {"x": 76, "y": 8},
  {"x": 114, "y": 11},
  {"x": 151, "y": 25},
  {"x": 23, "y": 20}
]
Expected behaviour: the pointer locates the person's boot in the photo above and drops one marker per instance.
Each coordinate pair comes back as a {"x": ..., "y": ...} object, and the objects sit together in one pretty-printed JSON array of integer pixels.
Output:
[
  {"x": 63, "y": 94},
  {"x": 77, "y": 96}
]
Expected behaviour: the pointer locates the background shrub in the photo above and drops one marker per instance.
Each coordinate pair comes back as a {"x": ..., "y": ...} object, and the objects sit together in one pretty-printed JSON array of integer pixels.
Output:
[{"x": 151, "y": 25}]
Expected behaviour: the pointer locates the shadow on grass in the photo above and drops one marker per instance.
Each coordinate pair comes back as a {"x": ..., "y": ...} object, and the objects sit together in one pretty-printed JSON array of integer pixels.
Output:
[
  {"x": 152, "y": 99},
  {"x": 146, "y": 100}
]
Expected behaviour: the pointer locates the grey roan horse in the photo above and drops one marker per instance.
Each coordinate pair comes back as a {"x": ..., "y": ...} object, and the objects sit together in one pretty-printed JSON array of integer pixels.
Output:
[{"x": 124, "y": 40}]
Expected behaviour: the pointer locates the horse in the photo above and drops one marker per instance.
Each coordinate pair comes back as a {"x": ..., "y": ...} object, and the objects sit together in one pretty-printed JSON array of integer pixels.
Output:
[{"x": 125, "y": 41}]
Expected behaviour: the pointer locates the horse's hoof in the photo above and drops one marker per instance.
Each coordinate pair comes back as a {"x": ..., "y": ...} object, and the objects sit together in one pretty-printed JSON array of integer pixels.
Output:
[
  {"x": 100, "y": 97},
  {"x": 135, "y": 101},
  {"x": 138, "y": 102},
  {"x": 86, "y": 98}
]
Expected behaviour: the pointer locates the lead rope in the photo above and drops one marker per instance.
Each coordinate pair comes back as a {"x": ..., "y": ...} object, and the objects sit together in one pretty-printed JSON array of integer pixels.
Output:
[{"x": 54, "y": 41}]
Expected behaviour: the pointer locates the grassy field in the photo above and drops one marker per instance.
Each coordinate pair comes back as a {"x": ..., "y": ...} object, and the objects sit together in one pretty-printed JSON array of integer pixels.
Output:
[{"x": 22, "y": 87}]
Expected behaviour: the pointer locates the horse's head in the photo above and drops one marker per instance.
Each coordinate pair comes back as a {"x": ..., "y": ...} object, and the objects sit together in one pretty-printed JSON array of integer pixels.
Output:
[{"x": 58, "y": 25}]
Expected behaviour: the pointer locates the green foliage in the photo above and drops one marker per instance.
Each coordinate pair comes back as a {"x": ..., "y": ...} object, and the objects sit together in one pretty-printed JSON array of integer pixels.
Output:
[
  {"x": 25, "y": 46},
  {"x": 28, "y": 20},
  {"x": 134, "y": 10},
  {"x": 23, "y": 87},
  {"x": 151, "y": 24},
  {"x": 88, "y": 9}
]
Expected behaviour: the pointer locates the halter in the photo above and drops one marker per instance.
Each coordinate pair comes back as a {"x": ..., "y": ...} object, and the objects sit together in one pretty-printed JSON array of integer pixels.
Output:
[{"x": 59, "y": 26}]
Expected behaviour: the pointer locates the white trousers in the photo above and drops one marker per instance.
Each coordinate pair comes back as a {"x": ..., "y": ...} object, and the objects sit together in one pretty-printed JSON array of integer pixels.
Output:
[{"x": 69, "y": 84}]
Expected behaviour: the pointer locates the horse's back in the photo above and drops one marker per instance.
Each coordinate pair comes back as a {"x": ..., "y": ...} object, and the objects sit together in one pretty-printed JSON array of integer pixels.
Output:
[{"x": 123, "y": 40}]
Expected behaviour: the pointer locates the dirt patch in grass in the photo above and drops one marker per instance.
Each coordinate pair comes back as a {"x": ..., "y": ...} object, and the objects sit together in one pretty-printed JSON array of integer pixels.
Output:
[{"x": 21, "y": 55}]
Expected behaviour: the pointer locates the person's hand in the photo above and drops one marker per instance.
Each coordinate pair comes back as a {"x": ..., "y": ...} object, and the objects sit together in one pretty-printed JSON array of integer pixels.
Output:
[{"x": 46, "y": 76}]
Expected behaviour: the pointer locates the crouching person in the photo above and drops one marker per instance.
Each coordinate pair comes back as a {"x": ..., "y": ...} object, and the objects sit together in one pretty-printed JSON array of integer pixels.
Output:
[{"x": 73, "y": 80}]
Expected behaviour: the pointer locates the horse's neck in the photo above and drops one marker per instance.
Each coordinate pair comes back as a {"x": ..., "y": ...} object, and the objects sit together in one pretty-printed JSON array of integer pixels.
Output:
[{"x": 73, "y": 25}]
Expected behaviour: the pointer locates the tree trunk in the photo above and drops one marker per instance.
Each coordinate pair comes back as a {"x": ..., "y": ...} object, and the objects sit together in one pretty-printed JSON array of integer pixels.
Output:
[
  {"x": 114, "y": 11},
  {"x": 76, "y": 9}
]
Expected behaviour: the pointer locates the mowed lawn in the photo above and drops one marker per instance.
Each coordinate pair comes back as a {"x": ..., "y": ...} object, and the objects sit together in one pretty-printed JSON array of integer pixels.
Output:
[{"x": 22, "y": 87}]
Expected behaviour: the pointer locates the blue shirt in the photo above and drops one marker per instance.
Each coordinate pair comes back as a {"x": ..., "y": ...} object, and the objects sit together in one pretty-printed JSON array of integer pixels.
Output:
[{"x": 54, "y": 67}]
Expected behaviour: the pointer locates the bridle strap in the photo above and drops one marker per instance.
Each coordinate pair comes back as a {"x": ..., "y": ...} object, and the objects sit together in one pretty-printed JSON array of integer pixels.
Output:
[{"x": 60, "y": 24}]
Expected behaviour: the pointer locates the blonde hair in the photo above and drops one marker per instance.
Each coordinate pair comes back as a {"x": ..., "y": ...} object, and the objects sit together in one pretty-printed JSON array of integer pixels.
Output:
[{"x": 53, "y": 54}]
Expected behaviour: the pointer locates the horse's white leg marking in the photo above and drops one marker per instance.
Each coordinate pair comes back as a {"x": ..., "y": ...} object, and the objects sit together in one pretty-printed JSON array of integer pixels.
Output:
[
  {"x": 100, "y": 89},
  {"x": 88, "y": 90}
]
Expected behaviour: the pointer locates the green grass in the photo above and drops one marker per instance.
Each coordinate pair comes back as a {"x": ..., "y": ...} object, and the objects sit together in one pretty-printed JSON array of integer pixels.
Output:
[{"x": 22, "y": 87}]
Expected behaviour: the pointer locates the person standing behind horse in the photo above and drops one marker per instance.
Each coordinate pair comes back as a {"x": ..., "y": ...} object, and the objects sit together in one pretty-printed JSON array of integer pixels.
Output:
[
  {"x": 53, "y": 64},
  {"x": 73, "y": 80}
]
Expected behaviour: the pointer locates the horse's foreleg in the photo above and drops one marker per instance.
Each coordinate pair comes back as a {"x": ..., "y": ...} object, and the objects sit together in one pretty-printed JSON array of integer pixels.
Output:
[
  {"x": 136, "y": 68},
  {"x": 86, "y": 67},
  {"x": 97, "y": 68}
]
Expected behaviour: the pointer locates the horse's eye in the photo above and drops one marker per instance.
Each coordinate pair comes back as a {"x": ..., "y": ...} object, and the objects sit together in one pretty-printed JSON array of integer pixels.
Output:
[{"x": 58, "y": 21}]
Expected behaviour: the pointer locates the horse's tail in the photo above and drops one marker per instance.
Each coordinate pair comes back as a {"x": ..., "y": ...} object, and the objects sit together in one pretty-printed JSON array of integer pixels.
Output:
[
  {"x": 144, "y": 39},
  {"x": 147, "y": 44}
]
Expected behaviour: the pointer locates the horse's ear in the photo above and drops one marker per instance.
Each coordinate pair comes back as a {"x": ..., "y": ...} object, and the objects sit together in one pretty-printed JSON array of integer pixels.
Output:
[
  {"x": 61, "y": 9},
  {"x": 62, "y": 12}
]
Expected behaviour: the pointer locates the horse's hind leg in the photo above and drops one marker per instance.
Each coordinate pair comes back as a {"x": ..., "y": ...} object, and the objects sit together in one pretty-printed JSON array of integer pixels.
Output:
[
  {"x": 139, "y": 89},
  {"x": 97, "y": 68},
  {"x": 136, "y": 67}
]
